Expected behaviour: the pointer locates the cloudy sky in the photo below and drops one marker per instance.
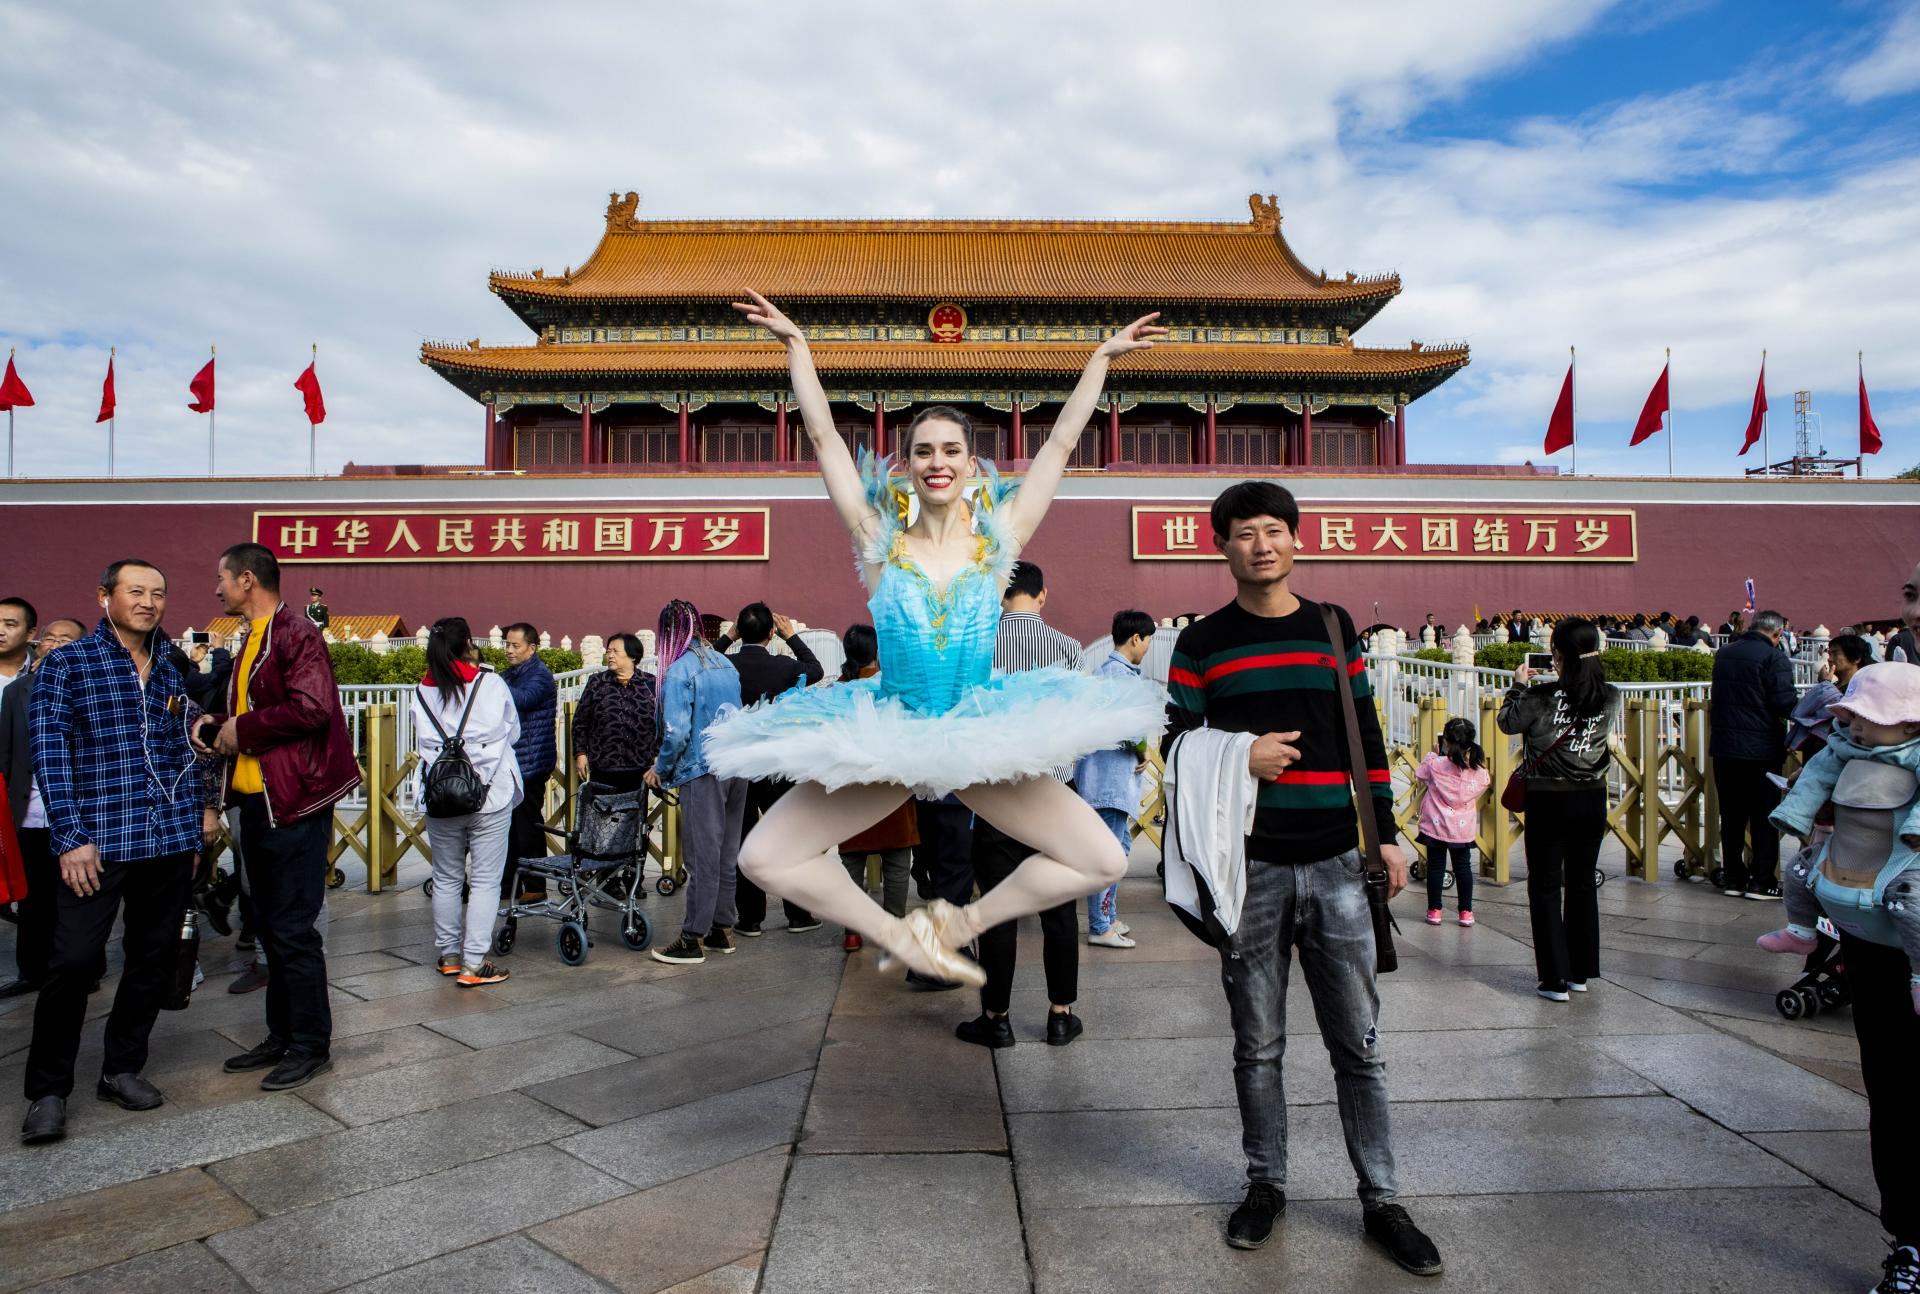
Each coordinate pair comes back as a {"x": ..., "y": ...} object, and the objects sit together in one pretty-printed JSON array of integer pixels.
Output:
[{"x": 1718, "y": 177}]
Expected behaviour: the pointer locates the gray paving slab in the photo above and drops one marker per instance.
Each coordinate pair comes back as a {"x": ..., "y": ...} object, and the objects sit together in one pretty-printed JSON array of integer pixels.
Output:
[
  {"x": 1839, "y": 1161},
  {"x": 869, "y": 1061},
  {"x": 189, "y": 1268},
  {"x": 695, "y": 1022},
  {"x": 658, "y": 1238},
  {"x": 656, "y": 1148},
  {"x": 157, "y": 1142},
  {"x": 346, "y": 967},
  {"x": 1610, "y": 1005},
  {"x": 509, "y": 1265},
  {"x": 392, "y": 982},
  {"x": 427, "y": 1084},
  {"x": 366, "y": 1235},
  {"x": 1737, "y": 1084},
  {"x": 61, "y": 1237},
  {"x": 907, "y": 1224},
  {"x": 1597, "y": 1242},
  {"x": 563, "y": 1015},
  {"x": 438, "y": 1003},
  {"x": 1089, "y": 1159},
  {"x": 415, "y": 1145},
  {"x": 641, "y": 1086}
]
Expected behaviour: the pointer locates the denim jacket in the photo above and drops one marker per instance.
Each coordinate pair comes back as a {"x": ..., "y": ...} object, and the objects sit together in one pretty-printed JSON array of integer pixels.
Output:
[
  {"x": 1105, "y": 778},
  {"x": 697, "y": 689}
]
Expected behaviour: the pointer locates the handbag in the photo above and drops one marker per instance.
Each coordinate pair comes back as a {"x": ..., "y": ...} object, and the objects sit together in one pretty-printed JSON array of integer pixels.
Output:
[
  {"x": 453, "y": 786},
  {"x": 13, "y": 868},
  {"x": 1513, "y": 797},
  {"x": 1385, "y": 958}
]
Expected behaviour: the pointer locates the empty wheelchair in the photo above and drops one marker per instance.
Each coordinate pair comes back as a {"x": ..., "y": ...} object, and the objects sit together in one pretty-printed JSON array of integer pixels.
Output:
[{"x": 602, "y": 868}]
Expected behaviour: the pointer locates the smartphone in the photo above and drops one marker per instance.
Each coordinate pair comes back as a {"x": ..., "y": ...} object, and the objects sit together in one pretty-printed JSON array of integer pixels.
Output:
[
  {"x": 1540, "y": 662},
  {"x": 1778, "y": 780},
  {"x": 197, "y": 637}
]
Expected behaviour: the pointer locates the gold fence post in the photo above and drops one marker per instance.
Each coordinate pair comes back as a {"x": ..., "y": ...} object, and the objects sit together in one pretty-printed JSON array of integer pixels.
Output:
[
  {"x": 1634, "y": 768},
  {"x": 1709, "y": 793},
  {"x": 383, "y": 850},
  {"x": 1651, "y": 829},
  {"x": 1497, "y": 832},
  {"x": 1692, "y": 742},
  {"x": 570, "y": 776}
]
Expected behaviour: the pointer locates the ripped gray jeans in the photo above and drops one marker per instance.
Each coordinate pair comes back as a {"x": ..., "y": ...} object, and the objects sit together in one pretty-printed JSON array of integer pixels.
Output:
[{"x": 1321, "y": 909}]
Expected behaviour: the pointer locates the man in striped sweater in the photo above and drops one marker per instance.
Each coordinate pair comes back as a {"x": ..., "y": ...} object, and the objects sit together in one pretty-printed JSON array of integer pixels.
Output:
[{"x": 1264, "y": 664}]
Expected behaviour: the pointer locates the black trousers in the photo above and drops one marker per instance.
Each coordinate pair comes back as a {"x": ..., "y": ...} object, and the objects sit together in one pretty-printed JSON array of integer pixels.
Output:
[
  {"x": 287, "y": 872},
  {"x": 749, "y": 900},
  {"x": 946, "y": 847},
  {"x": 154, "y": 893},
  {"x": 1746, "y": 798},
  {"x": 1889, "y": 1033},
  {"x": 33, "y": 943},
  {"x": 995, "y": 855},
  {"x": 1564, "y": 831},
  {"x": 525, "y": 839}
]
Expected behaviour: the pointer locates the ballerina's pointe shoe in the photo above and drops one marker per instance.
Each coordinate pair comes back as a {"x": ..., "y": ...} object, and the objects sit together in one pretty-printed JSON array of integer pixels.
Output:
[{"x": 921, "y": 949}]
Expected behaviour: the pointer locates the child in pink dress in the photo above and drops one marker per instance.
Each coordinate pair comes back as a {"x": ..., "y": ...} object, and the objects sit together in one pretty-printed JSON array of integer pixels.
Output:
[{"x": 1456, "y": 776}]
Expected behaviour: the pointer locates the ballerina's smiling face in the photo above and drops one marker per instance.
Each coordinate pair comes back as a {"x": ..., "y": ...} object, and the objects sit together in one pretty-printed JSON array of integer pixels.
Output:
[{"x": 939, "y": 460}]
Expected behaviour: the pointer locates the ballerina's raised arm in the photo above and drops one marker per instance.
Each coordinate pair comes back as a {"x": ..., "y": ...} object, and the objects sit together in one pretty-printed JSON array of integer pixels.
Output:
[
  {"x": 1042, "y": 479},
  {"x": 837, "y": 467}
]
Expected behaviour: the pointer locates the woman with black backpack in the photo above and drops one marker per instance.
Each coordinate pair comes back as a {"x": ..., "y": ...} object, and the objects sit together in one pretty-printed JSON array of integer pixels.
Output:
[{"x": 464, "y": 727}]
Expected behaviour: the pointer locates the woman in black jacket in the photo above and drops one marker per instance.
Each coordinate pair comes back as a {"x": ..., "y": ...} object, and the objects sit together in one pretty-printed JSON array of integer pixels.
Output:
[{"x": 1564, "y": 726}]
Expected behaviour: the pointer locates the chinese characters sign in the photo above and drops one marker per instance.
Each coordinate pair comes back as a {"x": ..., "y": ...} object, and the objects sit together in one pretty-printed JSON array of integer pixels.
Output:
[
  {"x": 1411, "y": 534},
  {"x": 696, "y": 534}
]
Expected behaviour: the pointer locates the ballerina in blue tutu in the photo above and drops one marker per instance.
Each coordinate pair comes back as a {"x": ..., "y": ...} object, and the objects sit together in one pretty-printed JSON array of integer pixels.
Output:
[{"x": 935, "y": 561}]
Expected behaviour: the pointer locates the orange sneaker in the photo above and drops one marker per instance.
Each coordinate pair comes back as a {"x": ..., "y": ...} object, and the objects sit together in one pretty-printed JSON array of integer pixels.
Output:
[
  {"x": 449, "y": 965},
  {"x": 487, "y": 973}
]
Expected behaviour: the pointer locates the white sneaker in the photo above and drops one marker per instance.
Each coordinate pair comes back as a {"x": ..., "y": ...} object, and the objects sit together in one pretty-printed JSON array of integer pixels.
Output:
[
  {"x": 1111, "y": 939},
  {"x": 1122, "y": 927},
  {"x": 1577, "y": 985}
]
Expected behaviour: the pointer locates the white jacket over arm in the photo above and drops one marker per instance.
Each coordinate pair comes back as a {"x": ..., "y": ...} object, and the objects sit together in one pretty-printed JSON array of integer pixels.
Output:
[
  {"x": 1211, "y": 796},
  {"x": 491, "y": 730}
]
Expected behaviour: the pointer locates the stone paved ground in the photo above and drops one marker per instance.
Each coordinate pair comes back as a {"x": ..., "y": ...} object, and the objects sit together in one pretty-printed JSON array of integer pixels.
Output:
[{"x": 787, "y": 1120}]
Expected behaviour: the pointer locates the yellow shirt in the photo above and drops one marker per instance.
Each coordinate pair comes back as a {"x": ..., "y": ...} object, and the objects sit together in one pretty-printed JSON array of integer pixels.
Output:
[{"x": 246, "y": 768}]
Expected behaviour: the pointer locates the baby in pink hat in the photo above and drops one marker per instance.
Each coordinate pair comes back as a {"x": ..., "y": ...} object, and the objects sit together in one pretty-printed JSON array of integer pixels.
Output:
[{"x": 1866, "y": 877}]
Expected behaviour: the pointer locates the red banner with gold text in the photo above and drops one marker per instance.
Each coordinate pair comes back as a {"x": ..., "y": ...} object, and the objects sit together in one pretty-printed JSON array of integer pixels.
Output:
[
  {"x": 695, "y": 534},
  {"x": 1371, "y": 534}
]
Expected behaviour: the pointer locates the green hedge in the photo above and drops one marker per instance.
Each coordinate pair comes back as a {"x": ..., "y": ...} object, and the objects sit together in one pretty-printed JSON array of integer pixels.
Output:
[
  {"x": 407, "y": 663},
  {"x": 1434, "y": 653},
  {"x": 1501, "y": 655},
  {"x": 1623, "y": 666}
]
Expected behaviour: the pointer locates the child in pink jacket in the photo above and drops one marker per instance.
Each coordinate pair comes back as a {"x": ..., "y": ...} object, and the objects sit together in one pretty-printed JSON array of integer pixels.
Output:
[{"x": 1456, "y": 777}]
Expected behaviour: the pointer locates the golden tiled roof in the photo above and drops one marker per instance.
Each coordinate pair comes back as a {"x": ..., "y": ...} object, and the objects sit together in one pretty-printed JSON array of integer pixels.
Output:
[
  {"x": 1040, "y": 359},
  {"x": 359, "y": 627},
  {"x": 937, "y": 260}
]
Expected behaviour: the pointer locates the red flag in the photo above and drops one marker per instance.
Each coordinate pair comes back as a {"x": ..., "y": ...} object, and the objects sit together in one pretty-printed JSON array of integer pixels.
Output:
[
  {"x": 1869, "y": 430},
  {"x": 202, "y": 388},
  {"x": 308, "y": 385},
  {"x": 106, "y": 394},
  {"x": 13, "y": 392},
  {"x": 1758, "y": 420},
  {"x": 1656, "y": 409},
  {"x": 1560, "y": 425}
]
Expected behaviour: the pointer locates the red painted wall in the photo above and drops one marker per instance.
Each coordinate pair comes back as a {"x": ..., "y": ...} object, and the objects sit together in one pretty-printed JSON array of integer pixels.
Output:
[{"x": 1817, "y": 563}]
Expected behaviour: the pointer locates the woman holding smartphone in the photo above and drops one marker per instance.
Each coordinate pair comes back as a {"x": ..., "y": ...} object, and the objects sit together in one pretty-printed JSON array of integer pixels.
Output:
[{"x": 1564, "y": 726}]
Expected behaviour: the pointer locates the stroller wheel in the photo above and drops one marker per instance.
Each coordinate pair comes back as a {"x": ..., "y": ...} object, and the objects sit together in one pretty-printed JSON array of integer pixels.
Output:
[
  {"x": 636, "y": 932},
  {"x": 1599, "y": 878},
  {"x": 504, "y": 937},
  {"x": 426, "y": 887},
  {"x": 1680, "y": 872},
  {"x": 1717, "y": 877},
  {"x": 1809, "y": 1001},
  {"x": 666, "y": 885},
  {"x": 1787, "y": 1003},
  {"x": 1446, "y": 882},
  {"x": 1417, "y": 870},
  {"x": 1160, "y": 870},
  {"x": 571, "y": 941},
  {"x": 336, "y": 878},
  {"x": 1832, "y": 994}
]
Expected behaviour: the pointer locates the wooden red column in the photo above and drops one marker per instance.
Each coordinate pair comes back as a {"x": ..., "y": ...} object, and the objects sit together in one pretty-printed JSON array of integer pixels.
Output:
[
  {"x": 1018, "y": 449},
  {"x": 1113, "y": 429},
  {"x": 1306, "y": 432},
  {"x": 782, "y": 442},
  {"x": 686, "y": 434},
  {"x": 1210, "y": 449},
  {"x": 589, "y": 452},
  {"x": 490, "y": 447},
  {"x": 879, "y": 426},
  {"x": 1399, "y": 434}
]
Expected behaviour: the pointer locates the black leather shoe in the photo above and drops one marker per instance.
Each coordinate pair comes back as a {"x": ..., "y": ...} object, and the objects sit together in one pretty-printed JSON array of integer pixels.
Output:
[
  {"x": 295, "y": 1071},
  {"x": 129, "y": 1092},
  {"x": 1063, "y": 1027},
  {"x": 46, "y": 1121},
  {"x": 1251, "y": 1225},
  {"x": 986, "y": 1031},
  {"x": 18, "y": 988},
  {"x": 1405, "y": 1243},
  {"x": 270, "y": 1052}
]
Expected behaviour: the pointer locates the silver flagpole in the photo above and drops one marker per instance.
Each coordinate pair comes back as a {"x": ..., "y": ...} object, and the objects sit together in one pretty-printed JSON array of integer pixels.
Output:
[
  {"x": 1766, "y": 444},
  {"x": 1669, "y": 411},
  {"x": 1576, "y": 411},
  {"x": 312, "y": 432},
  {"x": 111, "y": 352},
  {"x": 213, "y": 353}
]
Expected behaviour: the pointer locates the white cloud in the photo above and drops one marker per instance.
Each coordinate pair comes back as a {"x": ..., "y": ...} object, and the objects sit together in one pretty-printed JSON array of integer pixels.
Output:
[
  {"x": 266, "y": 178},
  {"x": 1892, "y": 68}
]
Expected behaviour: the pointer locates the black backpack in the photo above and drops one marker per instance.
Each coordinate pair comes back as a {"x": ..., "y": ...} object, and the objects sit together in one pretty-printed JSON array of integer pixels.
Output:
[{"x": 453, "y": 786}]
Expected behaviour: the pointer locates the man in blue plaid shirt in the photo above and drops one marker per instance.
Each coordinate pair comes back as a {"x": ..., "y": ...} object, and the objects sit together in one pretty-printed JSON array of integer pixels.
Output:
[{"x": 122, "y": 797}]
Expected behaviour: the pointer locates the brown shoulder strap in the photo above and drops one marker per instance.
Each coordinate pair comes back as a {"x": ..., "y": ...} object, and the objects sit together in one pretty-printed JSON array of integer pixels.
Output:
[{"x": 1356, "y": 754}]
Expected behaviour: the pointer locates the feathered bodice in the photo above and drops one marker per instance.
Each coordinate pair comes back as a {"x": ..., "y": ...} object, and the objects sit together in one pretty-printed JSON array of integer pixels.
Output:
[{"x": 936, "y": 641}]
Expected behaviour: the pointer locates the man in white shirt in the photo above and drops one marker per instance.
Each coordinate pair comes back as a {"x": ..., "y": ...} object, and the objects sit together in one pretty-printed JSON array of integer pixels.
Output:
[{"x": 34, "y": 914}]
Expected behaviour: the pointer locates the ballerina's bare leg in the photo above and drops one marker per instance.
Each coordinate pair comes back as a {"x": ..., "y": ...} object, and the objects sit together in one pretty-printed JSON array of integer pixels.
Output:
[
  {"x": 1076, "y": 853},
  {"x": 794, "y": 852}
]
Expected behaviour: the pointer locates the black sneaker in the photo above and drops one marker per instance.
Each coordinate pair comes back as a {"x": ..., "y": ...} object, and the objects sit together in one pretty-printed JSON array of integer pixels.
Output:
[
  {"x": 748, "y": 932},
  {"x": 1063, "y": 1027},
  {"x": 1902, "y": 1268},
  {"x": 295, "y": 1071},
  {"x": 269, "y": 1053},
  {"x": 801, "y": 928},
  {"x": 986, "y": 1031},
  {"x": 684, "y": 951},
  {"x": 1405, "y": 1243},
  {"x": 1764, "y": 893},
  {"x": 718, "y": 940},
  {"x": 246, "y": 943},
  {"x": 1252, "y": 1223},
  {"x": 1554, "y": 991}
]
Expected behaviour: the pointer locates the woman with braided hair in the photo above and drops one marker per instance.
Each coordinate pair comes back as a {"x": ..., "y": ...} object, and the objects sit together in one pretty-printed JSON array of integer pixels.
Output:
[{"x": 936, "y": 720}]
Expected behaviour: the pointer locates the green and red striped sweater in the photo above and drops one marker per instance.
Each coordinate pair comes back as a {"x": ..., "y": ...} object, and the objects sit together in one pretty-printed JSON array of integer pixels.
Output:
[{"x": 1239, "y": 672}]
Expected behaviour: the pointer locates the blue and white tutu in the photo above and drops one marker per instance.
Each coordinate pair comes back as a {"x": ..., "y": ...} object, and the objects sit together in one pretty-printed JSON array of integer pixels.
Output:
[{"x": 937, "y": 719}]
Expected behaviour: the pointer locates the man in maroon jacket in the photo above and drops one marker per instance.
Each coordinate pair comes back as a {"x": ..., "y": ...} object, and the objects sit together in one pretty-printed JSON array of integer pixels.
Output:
[{"x": 289, "y": 759}]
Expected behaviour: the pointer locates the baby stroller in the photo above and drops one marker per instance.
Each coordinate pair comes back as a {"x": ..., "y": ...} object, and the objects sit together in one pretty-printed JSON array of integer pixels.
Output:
[
  {"x": 602, "y": 868},
  {"x": 1821, "y": 985}
]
